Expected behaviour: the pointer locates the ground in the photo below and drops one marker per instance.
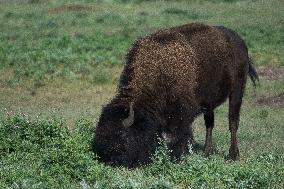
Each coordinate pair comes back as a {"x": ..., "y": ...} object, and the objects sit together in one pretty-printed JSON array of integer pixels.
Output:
[{"x": 60, "y": 62}]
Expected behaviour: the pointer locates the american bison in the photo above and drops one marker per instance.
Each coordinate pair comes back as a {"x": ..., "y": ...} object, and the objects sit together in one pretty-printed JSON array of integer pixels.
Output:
[{"x": 169, "y": 78}]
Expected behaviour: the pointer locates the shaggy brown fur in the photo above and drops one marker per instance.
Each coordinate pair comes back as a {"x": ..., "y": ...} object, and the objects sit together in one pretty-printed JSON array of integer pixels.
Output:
[{"x": 170, "y": 77}]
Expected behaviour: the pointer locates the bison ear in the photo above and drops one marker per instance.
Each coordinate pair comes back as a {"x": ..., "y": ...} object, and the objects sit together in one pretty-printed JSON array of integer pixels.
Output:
[{"x": 130, "y": 119}]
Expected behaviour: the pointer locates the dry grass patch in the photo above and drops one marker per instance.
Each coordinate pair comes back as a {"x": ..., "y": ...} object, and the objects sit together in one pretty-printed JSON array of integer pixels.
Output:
[
  {"x": 273, "y": 101},
  {"x": 271, "y": 72}
]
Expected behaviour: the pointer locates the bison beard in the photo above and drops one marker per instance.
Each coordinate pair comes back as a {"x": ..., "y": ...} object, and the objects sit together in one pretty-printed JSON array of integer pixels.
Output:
[{"x": 169, "y": 78}]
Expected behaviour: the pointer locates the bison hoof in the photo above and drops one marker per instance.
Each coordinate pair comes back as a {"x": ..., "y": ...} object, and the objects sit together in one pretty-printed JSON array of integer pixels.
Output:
[
  {"x": 208, "y": 151},
  {"x": 233, "y": 154}
]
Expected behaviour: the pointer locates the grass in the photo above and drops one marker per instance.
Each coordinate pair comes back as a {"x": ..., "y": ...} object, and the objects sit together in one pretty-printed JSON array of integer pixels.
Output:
[
  {"x": 46, "y": 154},
  {"x": 57, "y": 39},
  {"x": 60, "y": 61}
]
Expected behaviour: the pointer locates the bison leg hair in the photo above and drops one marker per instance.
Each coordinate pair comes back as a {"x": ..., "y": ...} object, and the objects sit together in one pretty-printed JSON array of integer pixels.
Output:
[
  {"x": 235, "y": 101},
  {"x": 209, "y": 123}
]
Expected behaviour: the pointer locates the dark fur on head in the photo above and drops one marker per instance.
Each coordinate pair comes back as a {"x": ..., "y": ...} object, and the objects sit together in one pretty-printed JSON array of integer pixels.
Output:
[
  {"x": 118, "y": 145},
  {"x": 169, "y": 78}
]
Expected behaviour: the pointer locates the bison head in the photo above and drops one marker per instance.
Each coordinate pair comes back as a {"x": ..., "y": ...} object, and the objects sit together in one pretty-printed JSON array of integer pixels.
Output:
[{"x": 125, "y": 136}]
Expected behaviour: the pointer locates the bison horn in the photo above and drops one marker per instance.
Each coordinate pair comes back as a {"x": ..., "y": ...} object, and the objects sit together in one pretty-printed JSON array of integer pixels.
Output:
[{"x": 130, "y": 119}]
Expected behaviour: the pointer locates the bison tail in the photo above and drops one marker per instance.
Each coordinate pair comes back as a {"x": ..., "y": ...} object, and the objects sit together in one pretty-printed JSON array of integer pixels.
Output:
[{"x": 252, "y": 73}]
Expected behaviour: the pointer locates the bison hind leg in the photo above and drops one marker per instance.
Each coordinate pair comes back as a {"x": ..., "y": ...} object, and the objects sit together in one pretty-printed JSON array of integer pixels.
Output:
[
  {"x": 235, "y": 102},
  {"x": 209, "y": 123}
]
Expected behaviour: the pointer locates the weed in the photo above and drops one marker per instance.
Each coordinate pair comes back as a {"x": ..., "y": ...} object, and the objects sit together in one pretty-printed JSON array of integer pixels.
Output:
[
  {"x": 187, "y": 13},
  {"x": 101, "y": 76}
]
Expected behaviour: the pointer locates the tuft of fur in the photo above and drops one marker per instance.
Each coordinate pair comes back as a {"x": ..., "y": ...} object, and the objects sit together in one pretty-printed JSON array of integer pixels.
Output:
[
  {"x": 170, "y": 77},
  {"x": 252, "y": 73}
]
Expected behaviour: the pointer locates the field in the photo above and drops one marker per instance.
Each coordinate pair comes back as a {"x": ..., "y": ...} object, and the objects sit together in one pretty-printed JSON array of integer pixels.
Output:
[{"x": 60, "y": 62}]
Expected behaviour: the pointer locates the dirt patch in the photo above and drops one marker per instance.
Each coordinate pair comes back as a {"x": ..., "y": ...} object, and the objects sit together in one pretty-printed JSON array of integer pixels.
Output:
[
  {"x": 271, "y": 73},
  {"x": 273, "y": 101},
  {"x": 72, "y": 8}
]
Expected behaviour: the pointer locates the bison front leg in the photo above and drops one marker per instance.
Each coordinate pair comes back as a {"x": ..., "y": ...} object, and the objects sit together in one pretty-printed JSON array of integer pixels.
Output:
[
  {"x": 185, "y": 137},
  {"x": 209, "y": 123},
  {"x": 235, "y": 101}
]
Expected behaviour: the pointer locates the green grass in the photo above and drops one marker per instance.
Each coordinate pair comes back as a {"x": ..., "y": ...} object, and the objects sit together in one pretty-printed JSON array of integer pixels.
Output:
[
  {"x": 47, "y": 154},
  {"x": 60, "y": 61},
  {"x": 43, "y": 40}
]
